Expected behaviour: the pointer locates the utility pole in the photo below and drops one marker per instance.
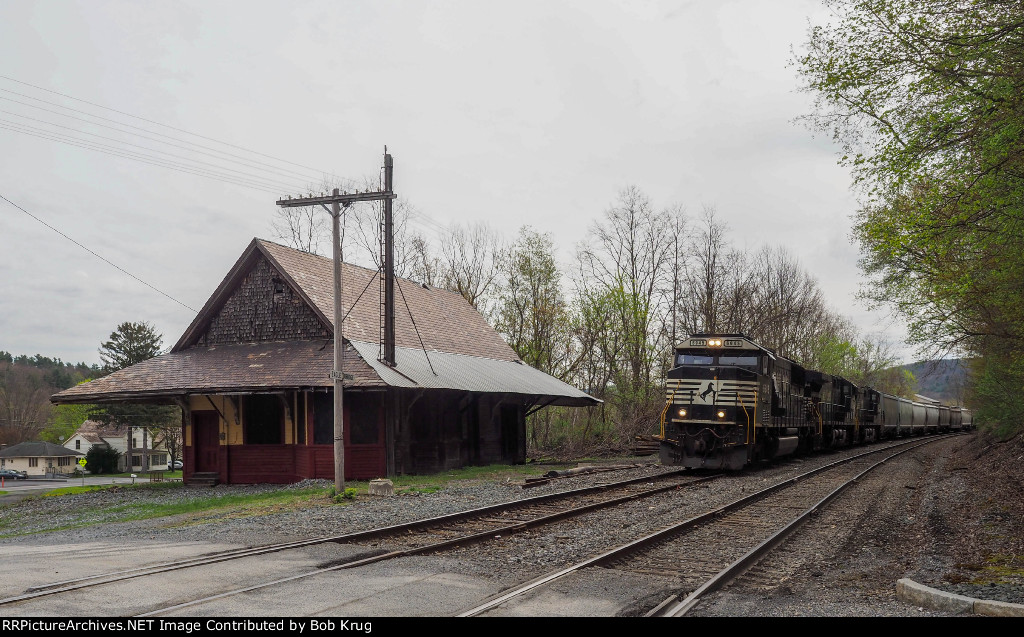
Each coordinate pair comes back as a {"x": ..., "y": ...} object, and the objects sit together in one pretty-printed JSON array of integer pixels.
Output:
[
  {"x": 389, "y": 267},
  {"x": 339, "y": 199}
]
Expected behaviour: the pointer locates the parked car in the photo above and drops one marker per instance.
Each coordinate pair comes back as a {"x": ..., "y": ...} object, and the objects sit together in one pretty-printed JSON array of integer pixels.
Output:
[
  {"x": 13, "y": 474},
  {"x": 176, "y": 465}
]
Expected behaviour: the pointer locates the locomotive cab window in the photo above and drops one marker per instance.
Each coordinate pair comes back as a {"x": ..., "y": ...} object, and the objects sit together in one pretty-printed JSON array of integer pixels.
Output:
[
  {"x": 693, "y": 359},
  {"x": 740, "y": 361}
]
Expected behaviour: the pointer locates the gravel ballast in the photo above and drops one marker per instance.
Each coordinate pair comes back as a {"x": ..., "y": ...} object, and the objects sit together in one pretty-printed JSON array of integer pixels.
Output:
[{"x": 950, "y": 517}]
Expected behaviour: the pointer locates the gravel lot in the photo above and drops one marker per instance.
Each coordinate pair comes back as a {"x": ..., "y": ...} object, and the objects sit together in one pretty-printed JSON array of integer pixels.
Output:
[{"x": 950, "y": 516}]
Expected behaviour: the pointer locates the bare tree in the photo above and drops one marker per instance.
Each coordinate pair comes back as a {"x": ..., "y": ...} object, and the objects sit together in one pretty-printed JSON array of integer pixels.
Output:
[
  {"x": 766, "y": 295},
  {"x": 679, "y": 255},
  {"x": 877, "y": 365},
  {"x": 471, "y": 258},
  {"x": 24, "y": 402},
  {"x": 307, "y": 228},
  {"x": 422, "y": 263},
  {"x": 365, "y": 228},
  {"x": 789, "y": 308},
  {"x": 624, "y": 283},
  {"x": 707, "y": 273},
  {"x": 170, "y": 438}
]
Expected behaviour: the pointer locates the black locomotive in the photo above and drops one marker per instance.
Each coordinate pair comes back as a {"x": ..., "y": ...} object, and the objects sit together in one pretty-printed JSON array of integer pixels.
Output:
[{"x": 731, "y": 402}]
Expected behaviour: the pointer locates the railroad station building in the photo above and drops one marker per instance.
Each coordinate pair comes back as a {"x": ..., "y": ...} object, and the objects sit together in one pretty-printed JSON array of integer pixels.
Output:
[{"x": 252, "y": 377}]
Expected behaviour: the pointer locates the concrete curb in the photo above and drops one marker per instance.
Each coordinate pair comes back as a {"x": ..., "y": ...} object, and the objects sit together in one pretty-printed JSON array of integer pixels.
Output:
[{"x": 920, "y": 595}]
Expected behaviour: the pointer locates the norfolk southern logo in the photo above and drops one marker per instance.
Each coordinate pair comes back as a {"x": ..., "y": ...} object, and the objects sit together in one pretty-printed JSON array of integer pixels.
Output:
[{"x": 710, "y": 390}]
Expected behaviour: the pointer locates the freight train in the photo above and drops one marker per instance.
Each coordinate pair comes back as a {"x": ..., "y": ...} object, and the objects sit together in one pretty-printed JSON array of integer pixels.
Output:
[{"x": 731, "y": 402}]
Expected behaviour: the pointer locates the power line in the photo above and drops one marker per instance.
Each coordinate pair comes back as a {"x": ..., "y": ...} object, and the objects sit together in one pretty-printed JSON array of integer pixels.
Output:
[
  {"x": 423, "y": 218},
  {"x": 128, "y": 155},
  {"x": 242, "y": 178},
  {"x": 155, "y": 150},
  {"x": 95, "y": 145},
  {"x": 180, "y": 130},
  {"x": 104, "y": 259},
  {"x": 115, "y": 128}
]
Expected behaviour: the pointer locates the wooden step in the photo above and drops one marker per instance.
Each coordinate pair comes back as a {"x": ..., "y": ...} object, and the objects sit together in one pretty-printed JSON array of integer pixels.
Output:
[{"x": 204, "y": 478}]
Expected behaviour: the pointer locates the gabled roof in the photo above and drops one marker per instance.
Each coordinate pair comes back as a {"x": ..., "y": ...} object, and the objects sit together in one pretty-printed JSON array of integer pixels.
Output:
[
  {"x": 428, "y": 319},
  {"x": 37, "y": 449},
  {"x": 443, "y": 320},
  {"x": 96, "y": 433}
]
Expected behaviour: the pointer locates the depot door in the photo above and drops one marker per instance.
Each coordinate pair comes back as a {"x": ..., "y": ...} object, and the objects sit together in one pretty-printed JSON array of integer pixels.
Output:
[{"x": 206, "y": 433}]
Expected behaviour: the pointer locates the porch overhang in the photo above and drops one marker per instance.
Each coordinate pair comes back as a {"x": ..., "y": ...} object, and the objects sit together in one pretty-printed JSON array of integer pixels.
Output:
[{"x": 226, "y": 369}]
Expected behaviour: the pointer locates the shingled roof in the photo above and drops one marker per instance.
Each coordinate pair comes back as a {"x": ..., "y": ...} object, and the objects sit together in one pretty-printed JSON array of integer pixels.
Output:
[
  {"x": 37, "y": 449},
  {"x": 444, "y": 321},
  {"x": 246, "y": 367},
  {"x": 426, "y": 318},
  {"x": 97, "y": 433}
]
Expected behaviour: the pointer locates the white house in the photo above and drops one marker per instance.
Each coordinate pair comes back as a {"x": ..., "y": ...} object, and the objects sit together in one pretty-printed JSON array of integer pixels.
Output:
[
  {"x": 91, "y": 433},
  {"x": 38, "y": 458}
]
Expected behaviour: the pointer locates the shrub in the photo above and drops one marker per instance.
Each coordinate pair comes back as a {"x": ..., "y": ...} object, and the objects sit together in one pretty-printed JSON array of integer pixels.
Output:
[
  {"x": 349, "y": 494},
  {"x": 101, "y": 460}
]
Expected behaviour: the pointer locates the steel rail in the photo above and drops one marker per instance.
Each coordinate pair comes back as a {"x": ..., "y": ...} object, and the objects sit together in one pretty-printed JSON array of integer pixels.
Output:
[
  {"x": 671, "y": 531},
  {"x": 442, "y": 545},
  {"x": 233, "y": 554},
  {"x": 738, "y": 567}
]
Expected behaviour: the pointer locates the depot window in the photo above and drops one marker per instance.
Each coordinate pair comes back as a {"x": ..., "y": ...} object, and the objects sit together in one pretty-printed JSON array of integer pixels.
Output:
[{"x": 263, "y": 419}]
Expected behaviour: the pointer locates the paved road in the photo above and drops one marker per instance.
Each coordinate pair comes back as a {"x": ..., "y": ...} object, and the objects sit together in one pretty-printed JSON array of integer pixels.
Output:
[
  {"x": 18, "y": 489},
  {"x": 414, "y": 586}
]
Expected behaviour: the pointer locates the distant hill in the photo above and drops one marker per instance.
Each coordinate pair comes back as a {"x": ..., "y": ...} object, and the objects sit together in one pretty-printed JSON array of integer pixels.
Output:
[{"x": 944, "y": 380}]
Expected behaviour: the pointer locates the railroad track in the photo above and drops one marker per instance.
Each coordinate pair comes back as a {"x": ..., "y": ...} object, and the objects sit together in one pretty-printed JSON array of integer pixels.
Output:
[
  {"x": 420, "y": 536},
  {"x": 741, "y": 532}
]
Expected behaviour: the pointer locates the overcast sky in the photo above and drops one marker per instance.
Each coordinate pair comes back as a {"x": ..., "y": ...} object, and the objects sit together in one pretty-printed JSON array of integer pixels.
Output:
[{"x": 510, "y": 113}]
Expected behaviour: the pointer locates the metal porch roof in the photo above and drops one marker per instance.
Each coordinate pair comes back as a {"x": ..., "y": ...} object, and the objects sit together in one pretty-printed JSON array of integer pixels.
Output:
[{"x": 416, "y": 368}]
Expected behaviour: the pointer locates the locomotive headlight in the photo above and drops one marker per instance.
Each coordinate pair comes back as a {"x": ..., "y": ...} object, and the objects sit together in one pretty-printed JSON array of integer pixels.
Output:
[
  {"x": 715, "y": 342},
  {"x": 721, "y": 413},
  {"x": 682, "y": 413}
]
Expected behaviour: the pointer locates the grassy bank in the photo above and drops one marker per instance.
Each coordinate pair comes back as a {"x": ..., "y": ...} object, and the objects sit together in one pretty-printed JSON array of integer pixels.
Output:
[{"x": 82, "y": 506}]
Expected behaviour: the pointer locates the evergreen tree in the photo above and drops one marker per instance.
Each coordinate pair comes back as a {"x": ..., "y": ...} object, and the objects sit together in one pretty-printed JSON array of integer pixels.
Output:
[{"x": 130, "y": 344}]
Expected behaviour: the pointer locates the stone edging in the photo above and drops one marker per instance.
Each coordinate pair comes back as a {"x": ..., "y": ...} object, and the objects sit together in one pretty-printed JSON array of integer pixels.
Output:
[{"x": 911, "y": 592}]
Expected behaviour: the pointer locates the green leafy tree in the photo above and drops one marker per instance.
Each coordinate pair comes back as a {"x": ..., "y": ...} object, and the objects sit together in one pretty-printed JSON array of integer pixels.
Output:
[
  {"x": 26, "y": 384},
  {"x": 995, "y": 390},
  {"x": 64, "y": 421},
  {"x": 833, "y": 355},
  {"x": 865, "y": 361},
  {"x": 531, "y": 310},
  {"x": 927, "y": 99}
]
